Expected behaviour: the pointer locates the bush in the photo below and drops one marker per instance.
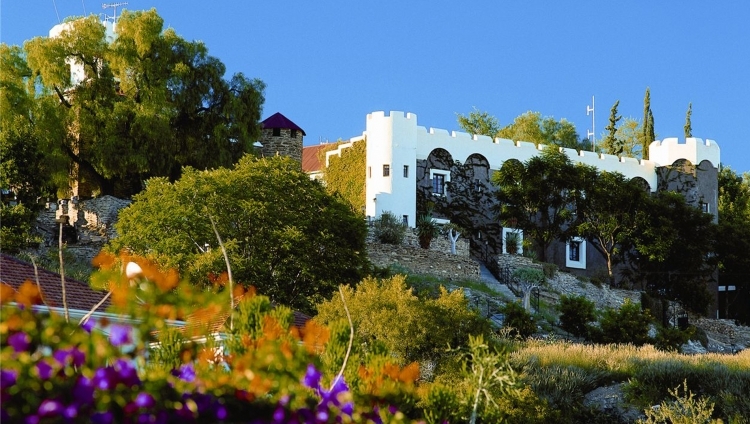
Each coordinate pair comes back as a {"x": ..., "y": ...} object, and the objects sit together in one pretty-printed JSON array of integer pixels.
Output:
[
  {"x": 672, "y": 338},
  {"x": 576, "y": 312},
  {"x": 549, "y": 270},
  {"x": 685, "y": 409},
  {"x": 629, "y": 324},
  {"x": 518, "y": 320},
  {"x": 388, "y": 229}
]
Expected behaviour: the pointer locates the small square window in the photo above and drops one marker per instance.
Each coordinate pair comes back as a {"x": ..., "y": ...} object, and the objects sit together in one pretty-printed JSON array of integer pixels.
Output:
[
  {"x": 277, "y": 132},
  {"x": 406, "y": 171},
  {"x": 386, "y": 170}
]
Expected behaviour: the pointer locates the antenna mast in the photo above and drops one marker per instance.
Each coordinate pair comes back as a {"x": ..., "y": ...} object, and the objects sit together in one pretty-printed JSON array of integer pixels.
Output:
[
  {"x": 114, "y": 6},
  {"x": 592, "y": 133}
]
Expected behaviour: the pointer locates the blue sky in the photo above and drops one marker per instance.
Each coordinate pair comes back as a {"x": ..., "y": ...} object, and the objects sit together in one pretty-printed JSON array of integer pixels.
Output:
[{"x": 327, "y": 64}]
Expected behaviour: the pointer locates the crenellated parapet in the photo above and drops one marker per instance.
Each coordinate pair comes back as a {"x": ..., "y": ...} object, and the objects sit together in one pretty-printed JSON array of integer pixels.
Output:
[
  {"x": 668, "y": 151},
  {"x": 397, "y": 142}
]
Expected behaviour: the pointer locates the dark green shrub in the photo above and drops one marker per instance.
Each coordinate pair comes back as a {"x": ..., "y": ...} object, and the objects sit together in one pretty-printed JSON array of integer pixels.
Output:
[
  {"x": 549, "y": 270},
  {"x": 654, "y": 305},
  {"x": 518, "y": 320},
  {"x": 576, "y": 312},
  {"x": 389, "y": 229},
  {"x": 672, "y": 338},
  {"x": 629, "y": 324}
]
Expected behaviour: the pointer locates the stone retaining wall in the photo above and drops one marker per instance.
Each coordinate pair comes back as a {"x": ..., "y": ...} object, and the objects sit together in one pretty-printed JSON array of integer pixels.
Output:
[{"x": 423, "y": 261}]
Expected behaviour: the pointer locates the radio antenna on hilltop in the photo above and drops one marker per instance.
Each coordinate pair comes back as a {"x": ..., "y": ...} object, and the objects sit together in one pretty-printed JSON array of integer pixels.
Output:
[
  {"x": 114, "y": 6},
  {"x": 592, "y": 133}
]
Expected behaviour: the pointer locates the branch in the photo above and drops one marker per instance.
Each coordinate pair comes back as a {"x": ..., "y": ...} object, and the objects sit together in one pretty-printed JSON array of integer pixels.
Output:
[
  {"x": 229, "y": 273},
  {"x": 62, "y": 98},
  {"x": 39, "y": 286},
  {"x": 351, "y": 338}
]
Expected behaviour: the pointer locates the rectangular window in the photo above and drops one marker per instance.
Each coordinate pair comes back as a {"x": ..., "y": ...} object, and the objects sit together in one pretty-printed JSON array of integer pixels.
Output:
[
  {"x": 386, "y": 170},
  {"x": 293, "y": 133},
  {"x": 369, "y": 172},
  {"x": 705, "y": 208},
  {"x": 406, "y": 171},
  {"x": 478, "y": 185},
  {"x": 574, "y": 251},
  {"x": 277, "y": 132},
  {"x": 438, "y": 184},
  {"x": 405, "y": 220}
]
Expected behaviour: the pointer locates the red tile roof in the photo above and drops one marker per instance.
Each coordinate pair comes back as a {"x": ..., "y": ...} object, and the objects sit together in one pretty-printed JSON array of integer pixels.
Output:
[
  {"x": 79, "y": 295},
  {"x": 278, "y": 120},
  {"x": 311, "y": 157}
]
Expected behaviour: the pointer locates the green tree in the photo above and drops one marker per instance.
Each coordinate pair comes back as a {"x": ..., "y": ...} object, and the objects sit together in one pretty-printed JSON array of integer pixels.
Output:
[
  {"x": 528, "y": 279},
  {"x": 345, "y": 175},
  {"x": 629, "y": 135},
  {"x": 425, "y": 328},
  {"x": 534, "y": 128},
  {"x": 733, "y": 240},
  {"x": 283, "y": 233},
  {"x": 538, "y": 195},
  {"x": 150, "y": 102},
  {"x": 480, "y": 123},
  {"x": 606, "y": 214},
  {"x": 674, "y": 250},
  {"x": 688, "y": 123},
  {"x": 610, "y": 144},
  {"x": 648, "y": 124}
]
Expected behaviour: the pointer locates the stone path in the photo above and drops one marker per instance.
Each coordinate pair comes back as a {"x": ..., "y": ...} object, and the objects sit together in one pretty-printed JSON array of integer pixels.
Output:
[{"x": 489, "y": 279}]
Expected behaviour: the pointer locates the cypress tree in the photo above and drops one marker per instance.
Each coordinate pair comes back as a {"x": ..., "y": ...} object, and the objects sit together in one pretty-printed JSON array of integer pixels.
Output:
[
  {"x": 648, "y": 121},
  {"x": 610, "y": 144},
  {"x": 688, "y": 123}
]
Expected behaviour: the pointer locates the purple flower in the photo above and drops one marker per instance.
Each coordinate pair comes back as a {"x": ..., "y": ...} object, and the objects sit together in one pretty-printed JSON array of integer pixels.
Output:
[
  {"x": 102, "y": 418},
  {"x": 119, "y": 334},
  {"x": 70, "y": 412},
  {"x": 126, "y": 372},
  {"x": 185, "y": 372},
  {"x": 144, "y": 400},
  {"x": 20, "y": 341},
  {"x": 83, "y": 392},
  {"x": 44, "y": 369},
  {"x": 8, "y": 378},
  {"x": 50, "y": 408},
  {"x": 88, "y": 325},
  {"x": 73, "y": 354},
  {"x": 221, "y": 412},
  {"x": 104, "y": 378},
  {"x": 312, "y": 378}
]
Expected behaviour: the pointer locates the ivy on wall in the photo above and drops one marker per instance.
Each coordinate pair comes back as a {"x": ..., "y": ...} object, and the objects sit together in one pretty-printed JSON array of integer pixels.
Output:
[
  {"x": 468, "y": 200},
  {"x": 345, "y": 174}
]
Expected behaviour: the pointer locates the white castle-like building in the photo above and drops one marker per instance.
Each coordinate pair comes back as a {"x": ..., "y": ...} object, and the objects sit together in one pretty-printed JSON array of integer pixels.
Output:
[
  {"x": 408, "y": 163},
  {"x": 395, "y": 143}
]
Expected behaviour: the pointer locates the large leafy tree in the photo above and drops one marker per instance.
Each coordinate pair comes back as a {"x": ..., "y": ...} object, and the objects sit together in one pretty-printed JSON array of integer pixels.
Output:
[
  {"x": 149, "y": 102},
  {"x": 673, "y": 255},
  {"x": 532, "y": 127},
  {"x": 538, "y": 195},
  {"x": 606, "y": 212},
  {"x": 733, "y": 242},
  {"x": 283, "y": 233},
  {"x": 479, "y": 123}
]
